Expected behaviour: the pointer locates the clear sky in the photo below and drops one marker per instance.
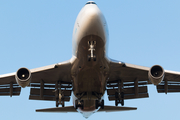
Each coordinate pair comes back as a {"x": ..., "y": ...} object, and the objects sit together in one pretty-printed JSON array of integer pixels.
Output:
[{"x": 37, "y": 33}]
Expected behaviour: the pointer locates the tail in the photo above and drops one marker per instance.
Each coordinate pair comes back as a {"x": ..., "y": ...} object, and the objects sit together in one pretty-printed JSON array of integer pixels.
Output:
[{"x": 116, "y": 109}]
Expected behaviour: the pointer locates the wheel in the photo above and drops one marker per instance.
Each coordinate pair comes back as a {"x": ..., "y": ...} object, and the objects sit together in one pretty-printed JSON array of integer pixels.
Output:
[
  {"x": 94, "y": 57},
  {"x": 76, "y": 104},
  {"x": 63, "y": 104},
  {"x": 89, "y": 58},
  {"x": 102, "y": 104},
  {"x": 97, "y": 104},
  {"x": 122, "y": 102},
  {"x": 116, "y": 102},
  {"x": 57, "y": 104}
]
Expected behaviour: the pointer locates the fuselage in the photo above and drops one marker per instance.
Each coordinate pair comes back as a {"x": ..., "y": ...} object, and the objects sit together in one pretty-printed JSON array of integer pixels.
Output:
[{"x": 90, "y": 69}]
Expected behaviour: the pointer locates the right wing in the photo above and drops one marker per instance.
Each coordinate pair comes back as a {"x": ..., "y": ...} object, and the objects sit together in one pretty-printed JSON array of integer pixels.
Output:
[
  {"x": 128, "y": 79},
  {"x": 132, "y": 80}
]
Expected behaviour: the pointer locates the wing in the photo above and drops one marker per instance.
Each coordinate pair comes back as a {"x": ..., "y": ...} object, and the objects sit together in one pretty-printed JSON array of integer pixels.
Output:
[
  {"x": 130, "y": 81},
  {"x": 43, "y": 83},
  {"x": 127, "y": 72},
  {"x": 52, "y": 73},
  {"x": 127, "y": 81},
  {"x": 171, "y": 82}
]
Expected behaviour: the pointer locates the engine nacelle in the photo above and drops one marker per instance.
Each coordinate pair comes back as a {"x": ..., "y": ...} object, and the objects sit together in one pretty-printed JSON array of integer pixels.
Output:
[
  {"x": 23, "y": 77},
  {"x": 156, "y": 74}
]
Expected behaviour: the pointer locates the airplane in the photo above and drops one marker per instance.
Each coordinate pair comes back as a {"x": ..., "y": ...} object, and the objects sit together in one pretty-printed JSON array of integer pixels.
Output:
[{"x": 89, "y": 73}]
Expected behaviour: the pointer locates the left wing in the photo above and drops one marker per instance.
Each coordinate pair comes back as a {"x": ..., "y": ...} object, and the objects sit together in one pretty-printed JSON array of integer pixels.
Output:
[
  {"x": 128, "y": 81},
  {"x": 43, "y": 82}
]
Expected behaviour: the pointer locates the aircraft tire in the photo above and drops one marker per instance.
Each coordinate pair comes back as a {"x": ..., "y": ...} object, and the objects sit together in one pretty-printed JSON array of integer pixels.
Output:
[
  {"x": 116, "y": 102},
  {"x": 97, "y": 104},
  {"x": 76, "y": 104},
  {"x": 94, "y": 57},
  {"x": 102, "y": 104}
]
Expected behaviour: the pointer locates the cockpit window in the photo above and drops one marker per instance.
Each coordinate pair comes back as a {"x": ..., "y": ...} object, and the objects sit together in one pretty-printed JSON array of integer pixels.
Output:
[{"x": 90, "y": 3}]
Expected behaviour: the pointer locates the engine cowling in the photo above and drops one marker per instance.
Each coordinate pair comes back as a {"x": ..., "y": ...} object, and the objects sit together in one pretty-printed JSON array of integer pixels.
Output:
[
  {"x": 156, "y": 74},
  {"x": 23, "y": 77}
]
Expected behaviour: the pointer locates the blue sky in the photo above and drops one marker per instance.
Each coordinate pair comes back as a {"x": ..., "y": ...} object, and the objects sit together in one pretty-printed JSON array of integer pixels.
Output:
[{"x": 39, "y": 32}]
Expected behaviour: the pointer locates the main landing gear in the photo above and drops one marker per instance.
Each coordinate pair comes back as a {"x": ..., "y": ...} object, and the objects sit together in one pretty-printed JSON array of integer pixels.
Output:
[
  {"x": 60, "y": 100},
  {"x": 79, "y": 103},
  {"x": 100, "y": 104},
  {"x": 92, "y": 45},
  {"x": 119, "y": 98}
]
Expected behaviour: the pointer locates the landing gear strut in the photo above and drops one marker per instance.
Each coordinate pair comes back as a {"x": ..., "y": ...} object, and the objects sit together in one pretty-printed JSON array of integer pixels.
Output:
[
  {"x": 59, "y": 95},
  {"x": 91, "y": 58},
  {"x": 92, "y": 49},
  {"x": 119, "y": 98}
]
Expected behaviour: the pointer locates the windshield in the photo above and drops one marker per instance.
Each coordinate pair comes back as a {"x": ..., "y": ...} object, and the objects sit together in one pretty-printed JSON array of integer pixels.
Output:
[{"x": 90, "y": 2}]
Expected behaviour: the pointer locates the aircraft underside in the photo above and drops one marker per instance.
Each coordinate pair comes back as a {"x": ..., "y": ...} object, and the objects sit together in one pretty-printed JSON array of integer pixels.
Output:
[{"x": 90, "y": 72}]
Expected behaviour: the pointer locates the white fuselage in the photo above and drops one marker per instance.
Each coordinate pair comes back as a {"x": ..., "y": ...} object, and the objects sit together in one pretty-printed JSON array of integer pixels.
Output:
[
  {"x": 89, "y": 77},
  {"x": 90, "y": 21}
]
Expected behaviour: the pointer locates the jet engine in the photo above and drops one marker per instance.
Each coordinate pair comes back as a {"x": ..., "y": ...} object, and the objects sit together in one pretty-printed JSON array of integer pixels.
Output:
[
  {"x": 23, "y": 77},
  {"x": 156, "y": 74}
]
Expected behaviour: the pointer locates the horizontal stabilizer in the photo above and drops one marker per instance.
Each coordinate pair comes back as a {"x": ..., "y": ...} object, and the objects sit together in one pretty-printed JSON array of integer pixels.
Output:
[
  {"x": 115, "y": 109},
  {"x": 58, "y": 109}
]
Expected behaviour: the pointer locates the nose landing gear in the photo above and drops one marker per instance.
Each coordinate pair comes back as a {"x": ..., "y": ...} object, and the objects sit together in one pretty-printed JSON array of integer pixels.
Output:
[{"x": 92, "y": 45}]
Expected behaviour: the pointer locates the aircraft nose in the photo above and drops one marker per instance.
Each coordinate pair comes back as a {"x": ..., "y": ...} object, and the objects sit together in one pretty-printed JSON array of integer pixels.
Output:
[
  {"x": 93, "y": 13},
  {"x": 92, "y": 21}
]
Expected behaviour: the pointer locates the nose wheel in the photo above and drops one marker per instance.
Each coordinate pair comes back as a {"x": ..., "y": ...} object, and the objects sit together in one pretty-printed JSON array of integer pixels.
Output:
[{"x": 91, "y": 58}]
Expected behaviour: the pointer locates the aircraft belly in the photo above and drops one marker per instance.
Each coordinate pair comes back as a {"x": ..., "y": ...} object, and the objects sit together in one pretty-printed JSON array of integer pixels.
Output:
[
  {"x": 90, "y": 76},
  {"x": 90, "y": 80}
]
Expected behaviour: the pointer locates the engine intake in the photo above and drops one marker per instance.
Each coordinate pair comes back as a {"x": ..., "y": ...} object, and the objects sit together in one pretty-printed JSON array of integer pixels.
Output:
[
  {"x": 23, "y": 77},
  {"x": 156, "y": 74}
]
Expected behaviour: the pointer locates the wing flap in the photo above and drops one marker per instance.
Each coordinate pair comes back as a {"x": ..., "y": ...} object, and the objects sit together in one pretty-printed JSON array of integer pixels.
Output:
[
  {"x": 49, "y": 92},
  {"x": 127, "y": 90},
  {"x": 47, "y": 98},
  {"x": 130, "y": 96},
  {"x": 10, "y": 89},
  {"x": 130, "y": 90},
  {"x": 168, "y": 86}
]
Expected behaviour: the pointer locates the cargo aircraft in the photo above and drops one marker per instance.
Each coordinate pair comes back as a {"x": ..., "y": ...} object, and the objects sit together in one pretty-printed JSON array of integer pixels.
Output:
[{"x": 89, "y": 73}]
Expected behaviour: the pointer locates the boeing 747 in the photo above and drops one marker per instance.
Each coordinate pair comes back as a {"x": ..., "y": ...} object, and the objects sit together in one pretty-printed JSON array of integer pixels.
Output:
[{"x": 89, "y": 73}]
